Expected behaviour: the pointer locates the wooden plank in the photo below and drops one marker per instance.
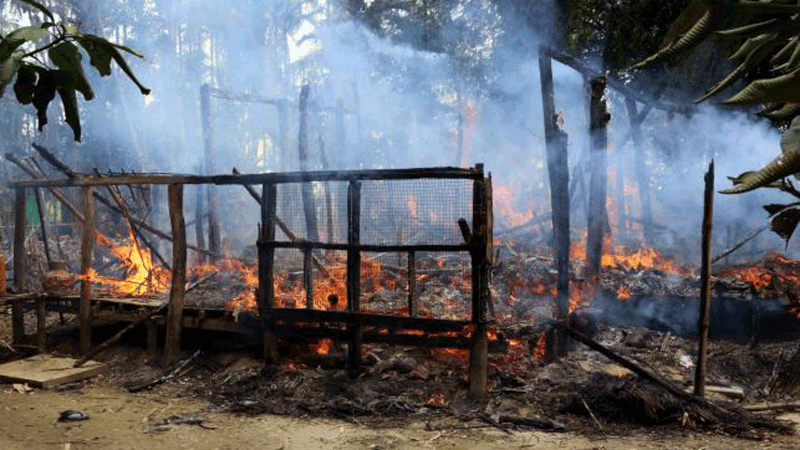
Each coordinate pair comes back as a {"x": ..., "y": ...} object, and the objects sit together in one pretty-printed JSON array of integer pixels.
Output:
[
  {"x": 47, "y": 371},
  {"x": 353, "y": 276},
  {"x": 705, "y": 284},
  {"x": 177, "y": 291},
  {"x": 87, "y": 247},
  {"x": 20, "y": 271}
]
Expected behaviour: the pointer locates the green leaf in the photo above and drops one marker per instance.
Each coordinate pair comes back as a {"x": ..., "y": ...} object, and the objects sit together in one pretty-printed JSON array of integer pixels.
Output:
[
  {"x": 70, "y": 102},
  {"x": 8, "y": 68},
  {"x": 44, "y": 93},
  {"x": 101, "y": 52},
  {"x": 786, "y": 111},
  {"x": 67, "y": 57},
  {"x": 19, "y": 37},
  {"x": 40, "y": 7},
  {"x": 26, "y": 83},
  {"x": 751, "y": 45},
  {"x": 785, "y": 222},
  {"x": 754, "y": 28},
  {"x": 782, "y": 89}
]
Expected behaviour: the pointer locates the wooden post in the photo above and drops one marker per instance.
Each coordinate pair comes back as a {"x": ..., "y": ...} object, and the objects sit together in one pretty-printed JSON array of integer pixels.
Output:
[
  {"x": 41, "y": 325},
  {"x": 558, "y": 171},
  {"x": 642, "y": 174},
  {"x": 412, "y": 284},
  {"x": 705, "y": 284},
  {"x": 87, "y": 247},
  {"x": 598, "y": 120},
  {"x": 479, "y": 353},
  {"x": 353, "y": 275},
  {"x": 266, "y": 275},
  {"x": 20, "y": 269},
  {"x": 198, "y": 224},
  {"x": 177, "y": 291},
  {"x": 309, "y": 206},
  {"x": 210, "y": 168},
  {"x": 43, "y": 224},
  {"x": 308, "y": 277}
]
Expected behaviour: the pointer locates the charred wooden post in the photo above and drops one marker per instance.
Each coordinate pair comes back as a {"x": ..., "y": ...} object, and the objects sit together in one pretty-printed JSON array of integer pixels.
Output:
[
  {"x": 177, "y": 290},
  {"x": 479, "y": 353},
  {"x": 266, "y": 276},
  {"x": 705, "y": 284},
  {"x": 309, "y": 206},
  {"x": 20, "y": 269},
  {"x": 43, "y": 223},
  {"x": 87, "y": 247},
  {"x": 328, "y": 196},
  {"x": 41, "y": 325},
  {"x": 353, "y": 276},
  {"x": 558, "y": 171},
  {"x": 642, "y": 175},
  {"x": 208, "y": 133},
  {"x": 198, "y": 224},
  {"x": 412, "y": 284},
  {"x": 598, "y": 120},
  {"x": 308, "y": 277}
]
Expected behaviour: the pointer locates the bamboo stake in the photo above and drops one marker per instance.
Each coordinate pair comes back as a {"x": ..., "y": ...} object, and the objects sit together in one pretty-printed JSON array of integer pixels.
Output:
[
  {"x": 739, "y": 244},
  {"x": 705, "y": 283}
]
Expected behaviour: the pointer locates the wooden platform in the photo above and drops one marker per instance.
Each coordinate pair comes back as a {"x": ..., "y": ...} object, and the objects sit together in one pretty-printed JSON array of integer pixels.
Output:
[{"x": 47, "y": 371}]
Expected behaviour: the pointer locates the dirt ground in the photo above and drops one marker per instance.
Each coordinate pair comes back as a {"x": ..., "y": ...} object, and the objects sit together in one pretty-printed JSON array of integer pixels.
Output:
[{"x": 120, "y": 420}]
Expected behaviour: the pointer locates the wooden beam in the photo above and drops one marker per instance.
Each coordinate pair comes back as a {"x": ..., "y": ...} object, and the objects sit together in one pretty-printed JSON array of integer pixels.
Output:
[
  {"x": 172, "y": 342},
  {"x": 705, "y": 283},
  {"x": 20, "y": 269},
  {"x": 87, "y": 247},
  {"x": 412, "y": 284}
]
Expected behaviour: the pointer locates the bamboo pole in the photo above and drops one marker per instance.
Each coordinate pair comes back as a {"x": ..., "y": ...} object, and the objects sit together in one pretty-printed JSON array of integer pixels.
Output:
[
  {"x": 172, "y": 342},
  {"x": 87, "y": 247},
  {"x": 43, "y": 223},
  {"x": 705, "y": 283}
]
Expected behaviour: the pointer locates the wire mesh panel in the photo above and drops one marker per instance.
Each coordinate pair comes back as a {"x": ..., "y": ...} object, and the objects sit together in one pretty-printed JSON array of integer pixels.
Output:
[{"x": 393, "y": 212}]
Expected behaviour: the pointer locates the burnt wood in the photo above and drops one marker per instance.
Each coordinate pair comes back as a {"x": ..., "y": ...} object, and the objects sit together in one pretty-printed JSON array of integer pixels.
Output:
[
  {"x": 309, "y": 203},
  {"x": 210, "y": 167},
  {"x": 87, "y": 247},
  {"x": 177, "y": 291},
  {"x": 478, "y": 357},
  {"x": 598, "y": 121},
  {"x": 642, "y": 175},
  {"x": 20, "y": 269},
  {"x": 353, "y": 275},
  {"x": 266, "y": 276},
  {"x": 705, "y": 283},
  {"x": 412, "y": 284}
]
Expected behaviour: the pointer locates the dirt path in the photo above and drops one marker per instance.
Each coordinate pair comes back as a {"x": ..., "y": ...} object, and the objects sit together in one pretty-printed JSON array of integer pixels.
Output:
[{"x": 120, "y": 420}]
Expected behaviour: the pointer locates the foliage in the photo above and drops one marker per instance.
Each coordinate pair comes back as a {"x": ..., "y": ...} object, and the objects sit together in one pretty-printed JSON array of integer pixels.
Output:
[
  {"x": 37, "y": 82},
  {"x": 767, "y": 34}
]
